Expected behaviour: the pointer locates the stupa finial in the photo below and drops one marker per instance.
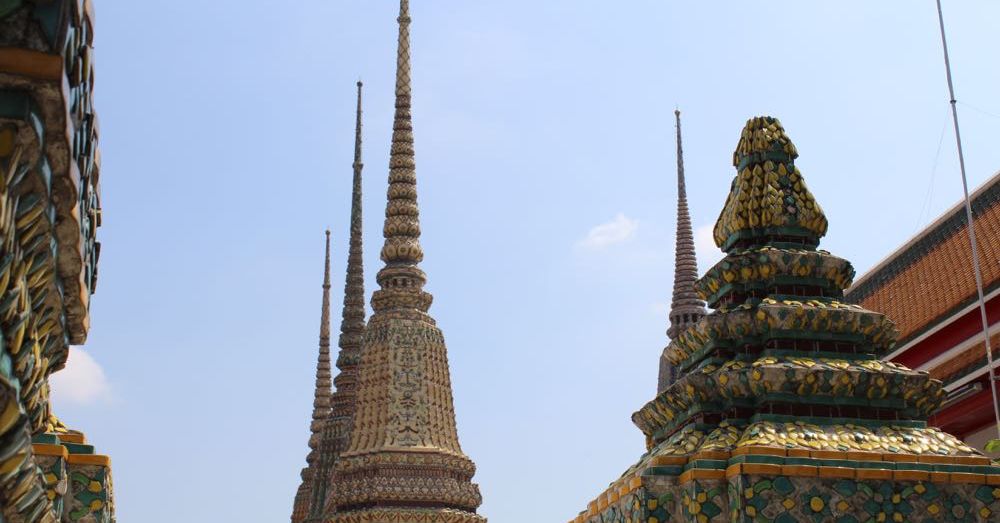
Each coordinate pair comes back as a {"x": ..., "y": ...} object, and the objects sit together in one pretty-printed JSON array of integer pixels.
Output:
[
  {"x": 769, "y": 202},
  {"x": 326, "y": 271},
  {"x": 358, "y": 165}
]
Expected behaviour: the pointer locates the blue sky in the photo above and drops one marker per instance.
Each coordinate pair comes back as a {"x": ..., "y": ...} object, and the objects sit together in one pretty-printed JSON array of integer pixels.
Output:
[{"x": 546, "y": 164}]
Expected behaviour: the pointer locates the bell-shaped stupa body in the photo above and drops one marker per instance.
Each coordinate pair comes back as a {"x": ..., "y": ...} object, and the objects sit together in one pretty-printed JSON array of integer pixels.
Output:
[{"x": 783, "y": 411}]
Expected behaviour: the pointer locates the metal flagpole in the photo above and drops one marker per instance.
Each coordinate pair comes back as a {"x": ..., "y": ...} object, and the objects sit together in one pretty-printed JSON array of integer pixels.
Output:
[{"x": 972, "y": 230}]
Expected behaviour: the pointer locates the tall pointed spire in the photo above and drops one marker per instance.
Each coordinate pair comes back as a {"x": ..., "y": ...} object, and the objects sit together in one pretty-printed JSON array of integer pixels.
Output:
[
  {"x": 343, "y": 402},
  {"x": 404, "y": 462},
  {"x": 352, "y": 323},
  {"x": 402, "y": 280},
  {"x": 321, "y": 400},
  {"x": 686, "y": 308},
  {"x": 321, "y": 396}
]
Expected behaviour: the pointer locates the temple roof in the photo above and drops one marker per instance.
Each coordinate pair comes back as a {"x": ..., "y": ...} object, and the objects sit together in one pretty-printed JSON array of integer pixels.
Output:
[{"x": 930, "y": 277}]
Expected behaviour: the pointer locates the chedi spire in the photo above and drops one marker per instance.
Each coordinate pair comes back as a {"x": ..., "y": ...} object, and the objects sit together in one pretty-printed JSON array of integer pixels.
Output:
[
  {"x": 402, "y": 280},
  {"x": 343, "y": 402},
  {"x": 321, "y": 400},
  {"x": 404, "y": 462},
  {"x": 686, "y": 308}
]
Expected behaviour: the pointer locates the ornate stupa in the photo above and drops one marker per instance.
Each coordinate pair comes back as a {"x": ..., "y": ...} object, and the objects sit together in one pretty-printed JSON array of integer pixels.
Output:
[
  {"x": 686, "y": 308},
  {"x": 404, "y": 462},
  {"x": 333, "y": 413},
  {"x": 783, "y": 411},
  {"x": 50, "y": 213},
  {"x": 321, "y": 401}
]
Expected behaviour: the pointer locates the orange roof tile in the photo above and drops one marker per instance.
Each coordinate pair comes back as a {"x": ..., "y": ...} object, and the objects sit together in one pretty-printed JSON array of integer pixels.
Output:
[
  {"x": 930, "y": 277},
  {"x": 964, "y": 362}
]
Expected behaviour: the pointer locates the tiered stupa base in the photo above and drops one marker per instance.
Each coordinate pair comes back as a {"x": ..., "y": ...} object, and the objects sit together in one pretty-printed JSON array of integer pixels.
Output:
[
  {"x": 383, "y": 515},
  {"x": 817, "y": 472}
]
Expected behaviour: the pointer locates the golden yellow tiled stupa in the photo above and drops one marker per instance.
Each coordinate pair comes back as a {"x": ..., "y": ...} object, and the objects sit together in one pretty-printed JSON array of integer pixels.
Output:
[
  {"x": 783, "y": 411},
  {"x": 404, "y": 463}
]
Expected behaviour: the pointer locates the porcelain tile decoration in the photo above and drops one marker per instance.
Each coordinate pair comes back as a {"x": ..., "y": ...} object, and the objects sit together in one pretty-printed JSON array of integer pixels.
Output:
[{"x": 783, "y": 411}]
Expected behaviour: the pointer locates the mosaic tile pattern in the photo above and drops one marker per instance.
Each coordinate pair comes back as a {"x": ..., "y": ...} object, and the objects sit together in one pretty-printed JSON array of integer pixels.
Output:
[
  {"x": 783, "y": 413},
  {"x": 89, "y": 499},
  {"x": 764, "y": 267},
  {"x": 784, "y": 499},
  {"x": 404, "y": 457},
  {"x": 49, "y": 215}
]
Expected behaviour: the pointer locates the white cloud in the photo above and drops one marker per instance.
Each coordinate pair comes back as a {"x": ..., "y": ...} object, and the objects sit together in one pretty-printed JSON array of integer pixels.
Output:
[
  {"x": 660, "y": 309},
  {"x": 81, "y": 382},
  {"x": 704, "y": 244},
  {"x": 619, "y": 230}
]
